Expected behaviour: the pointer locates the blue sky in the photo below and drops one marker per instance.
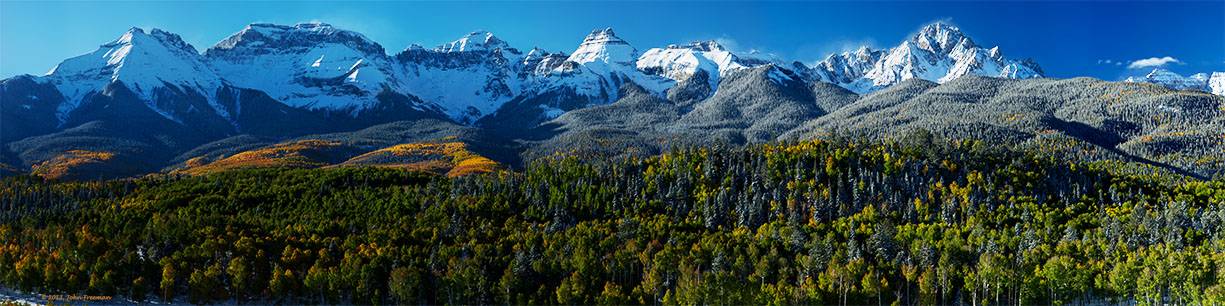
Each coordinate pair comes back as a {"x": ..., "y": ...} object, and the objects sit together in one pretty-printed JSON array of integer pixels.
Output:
[{"x": 1067, "y": 38}]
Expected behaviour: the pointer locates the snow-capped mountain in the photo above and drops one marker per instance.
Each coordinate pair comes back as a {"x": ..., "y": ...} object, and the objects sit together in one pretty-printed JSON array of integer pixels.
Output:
[
  {"x": 849, "y": 66},
  {"x": 308, "y": 65},
  {"x": 149, "y": 96},
  {"x": 145, "y": 63},
  {"x": 679, "y": 63},
  {"x": 604, "y": 65},
  {"x": 939, "y": 52},
  {"x": 467, "y": 78},
  {"x": 540, "y": 62},
  {"x": 315, "y": 66},
  {"x": 1213, "y": 83},
  {"x": 598, "y": 67},
  {"x": 475, "y": 41},
  {"x": 603, "y": 46}
]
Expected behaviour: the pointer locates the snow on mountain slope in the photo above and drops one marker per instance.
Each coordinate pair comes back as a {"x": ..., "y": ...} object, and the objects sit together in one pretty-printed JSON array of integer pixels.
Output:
[
  {"x": 317, "y": 66},
  {"x": 1172, "y": 80},
  {"x": 939, "y": 52},
  {"x": 1213, "y": 83},
  {"x": 475, "y": 41},
  {"x": 599, "y": 66},
  {"x": 1216, "y": 83},
  {"x": 848, "y": 66},
  {"x": 143, "y": 62},
  {"x": 540, "y": 62},
  {"x": 467, "y": 78},
  {"x": 681, "y": 62},
  {"x": 309, "y": 65},
  {"x": 603, "y": 46}
]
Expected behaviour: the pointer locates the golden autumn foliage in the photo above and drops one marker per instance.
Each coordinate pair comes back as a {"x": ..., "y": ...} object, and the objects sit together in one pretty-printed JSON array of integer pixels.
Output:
[
  {"x": 62, "y": 165},
  {"x": 195, "y": 162},
  {"x": 450, "y": 158},
  {"x": 311, "y": 153}
]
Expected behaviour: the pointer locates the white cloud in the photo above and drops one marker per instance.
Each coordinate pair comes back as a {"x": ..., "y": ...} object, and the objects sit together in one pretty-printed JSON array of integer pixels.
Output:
[{"x": 1153, "y": 62}]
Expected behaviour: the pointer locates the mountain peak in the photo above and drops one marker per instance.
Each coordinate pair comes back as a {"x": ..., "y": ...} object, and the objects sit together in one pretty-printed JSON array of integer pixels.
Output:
[
  {"x": 475, "y": 41},
  {"x": 605, "y": 33},
  {"x": 705, "y": 46},
  {"x": 313, "y": 65},
  {"x": 1173, "y": 80},
  {"x": 139, "y": 54},
  {"x": 938, "y": 52},
  {"x": 863, "y": 51},
  {"x": 135, "y": 36},
  {"x": 994, "y": 52},
  {"x": 940, "y": 37},
  {"x": 133, "y": 30},
  {"x": 1160, "y": 72},
  {"x": 313, "y": 24},
  {"x": 939, "y": 26},
  {"x": 142, "y": 61},
  {"x": 414, "y": 47},
  {"x": 603, "y": 46},
  {"x": 309, "y": 34}
]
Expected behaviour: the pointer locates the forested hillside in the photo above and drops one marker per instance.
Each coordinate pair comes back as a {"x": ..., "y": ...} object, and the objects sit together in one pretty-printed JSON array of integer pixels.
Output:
[{"x": 918, "y": 221}]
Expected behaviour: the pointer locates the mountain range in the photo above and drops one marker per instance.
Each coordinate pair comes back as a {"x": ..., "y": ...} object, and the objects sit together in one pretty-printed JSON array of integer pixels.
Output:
[
  {"x": 1207, "y": 82},
  {"x": 150, "y": 102}
]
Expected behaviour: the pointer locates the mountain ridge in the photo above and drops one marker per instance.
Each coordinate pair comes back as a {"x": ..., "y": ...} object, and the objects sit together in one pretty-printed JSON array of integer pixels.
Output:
[
  {"x": 147, "y": 98},
  {"x": 938, "y": 52},
  {"x": 1211, "y": 82}
]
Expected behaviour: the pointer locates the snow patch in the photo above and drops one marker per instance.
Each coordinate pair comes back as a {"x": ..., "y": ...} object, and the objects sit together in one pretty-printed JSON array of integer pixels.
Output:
[{"x": 550, "y": 112}]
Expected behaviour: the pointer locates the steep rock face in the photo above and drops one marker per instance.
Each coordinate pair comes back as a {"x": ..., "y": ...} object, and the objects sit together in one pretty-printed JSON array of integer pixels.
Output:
[
  {"x": 849, "y": 66},
  {"x": 539, "y": 62},
  {"x": 593, "y": 74},
  {"x": 308, "y": 65},
  {"x": 467, "y": 78},
  {"x": 939, "y": 52}
]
